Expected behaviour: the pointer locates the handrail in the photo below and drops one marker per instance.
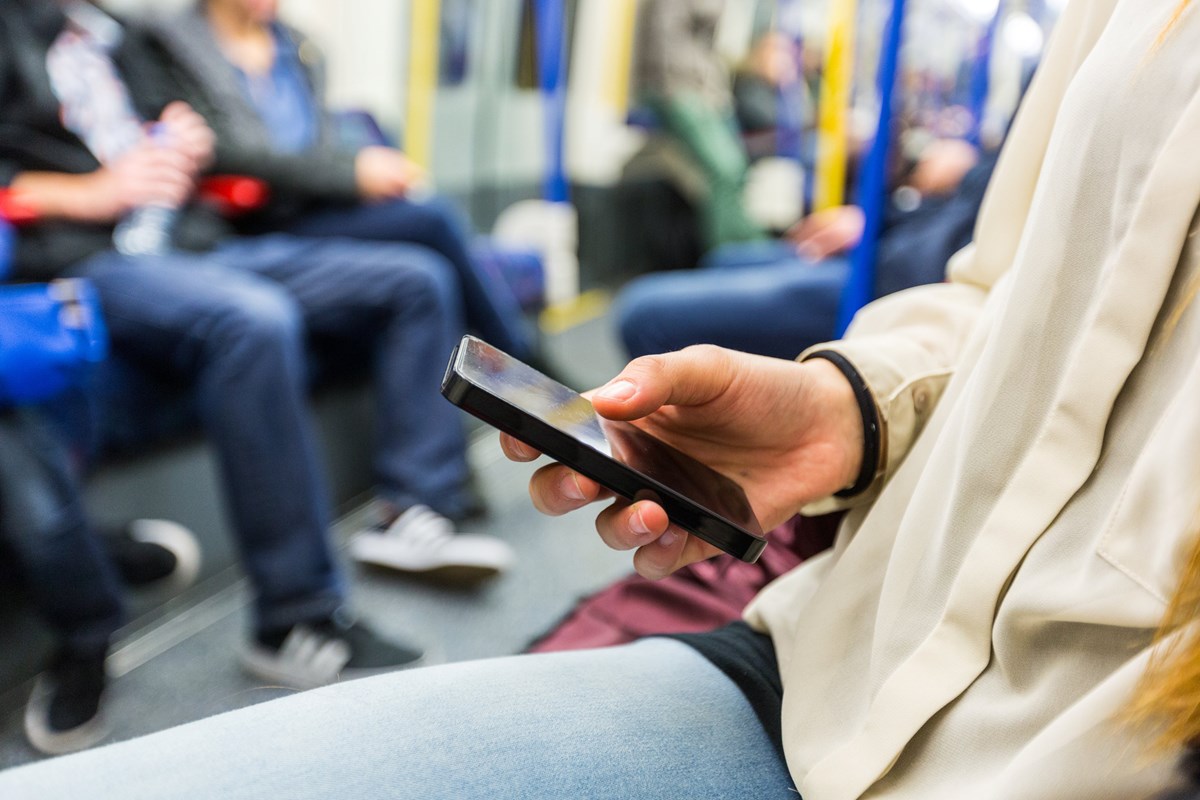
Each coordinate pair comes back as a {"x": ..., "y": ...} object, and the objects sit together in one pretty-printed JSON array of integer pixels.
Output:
[
  {"x": 872, "y": 186},
  {"x": 15, "y": 210},
  {"x": 553, "y": 52},
  {"x": 833, "y": 107},
  {"x": 230, "y": 194}
]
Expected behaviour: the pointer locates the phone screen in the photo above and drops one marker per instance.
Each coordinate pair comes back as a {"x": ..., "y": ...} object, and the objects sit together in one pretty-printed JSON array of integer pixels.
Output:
[{"x": 533, "y": 393}]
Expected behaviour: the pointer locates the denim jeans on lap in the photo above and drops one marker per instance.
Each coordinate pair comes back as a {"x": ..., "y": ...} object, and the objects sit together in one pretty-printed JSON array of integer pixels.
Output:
[
  {"x": 490, "y": 306},
  {"x": 234, "y": 322},
  {"x": 648, "y": 720},
  {"x": 403, "y": 300},
  {"x": 69, "y": 577},
  {"x": 755, "y": 297}
]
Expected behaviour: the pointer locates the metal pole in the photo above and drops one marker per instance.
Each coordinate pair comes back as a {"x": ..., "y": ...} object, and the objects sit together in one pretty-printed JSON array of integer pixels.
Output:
[{"x": 872, "y": 185}]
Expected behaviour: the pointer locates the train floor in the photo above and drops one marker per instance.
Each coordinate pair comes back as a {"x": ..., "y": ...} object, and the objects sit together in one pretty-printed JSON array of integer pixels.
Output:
[{"x": 182, "y": 666}]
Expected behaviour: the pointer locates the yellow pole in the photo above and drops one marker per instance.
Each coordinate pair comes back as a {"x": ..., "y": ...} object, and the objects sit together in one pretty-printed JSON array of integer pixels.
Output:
[
  {"x": 833, "y": 113},
  {"x": 617, "y": 91},
  {"x": 422, "y": 80}
]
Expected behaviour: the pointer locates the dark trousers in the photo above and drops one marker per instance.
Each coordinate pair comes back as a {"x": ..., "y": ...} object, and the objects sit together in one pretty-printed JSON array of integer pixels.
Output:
[
  {"x": 69, "y": 577},
  {"x": 235, "y": 323}
]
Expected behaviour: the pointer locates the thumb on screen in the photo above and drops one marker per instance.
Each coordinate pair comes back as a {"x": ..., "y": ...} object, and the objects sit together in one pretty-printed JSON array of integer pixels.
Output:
[{"x": 689, "y": 377}]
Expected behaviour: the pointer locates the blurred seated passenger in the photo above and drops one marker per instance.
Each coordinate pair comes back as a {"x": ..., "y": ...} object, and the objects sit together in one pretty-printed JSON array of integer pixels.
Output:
[
  {"x": 72, "y": 578},
  {"x": 778, "y": 298},
  {"x": 231, "y": 317},
  {"x": 679, "y": 75},
  {"x": 772, "y": 103},
  {"x": 260, "y": 84}
]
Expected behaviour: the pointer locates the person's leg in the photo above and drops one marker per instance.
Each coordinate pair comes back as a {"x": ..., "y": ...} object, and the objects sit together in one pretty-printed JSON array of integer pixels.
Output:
[
  {"x": 403, "y": 297},
  {"x": 753, "y": 254},
  {"x": 648, "y": 720},
  {"x": 489, "y": 304},
  {"x": 68, "y": 576},
  {"x": 777, "y": 310},
  {"x": 239, "y": 339}
]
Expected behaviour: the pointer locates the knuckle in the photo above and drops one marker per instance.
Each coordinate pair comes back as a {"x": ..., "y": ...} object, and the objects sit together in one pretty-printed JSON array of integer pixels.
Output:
[
  {"x": 645, "y": 364},
  {"x": 705, "y": 352}
]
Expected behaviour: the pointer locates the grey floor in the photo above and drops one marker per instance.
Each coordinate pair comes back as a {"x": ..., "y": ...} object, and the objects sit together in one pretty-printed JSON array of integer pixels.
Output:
[{"x": 178, "y": 666}]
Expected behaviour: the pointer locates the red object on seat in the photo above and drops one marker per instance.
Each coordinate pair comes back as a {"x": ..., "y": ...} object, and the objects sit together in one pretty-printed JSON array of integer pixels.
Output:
[
  {"x": 14, "y": 210},
  {"x": 699, "y": 597},
  {"x": 234, "y": 194},
  {"x": 231, "y": 194}
]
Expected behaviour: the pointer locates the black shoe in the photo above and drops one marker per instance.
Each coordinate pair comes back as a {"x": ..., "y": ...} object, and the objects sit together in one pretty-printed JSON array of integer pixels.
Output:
[
  {"x": 318, "y": 653},
  {"x": 64, "y": 712},
  {"x": 150, "y": 552}
]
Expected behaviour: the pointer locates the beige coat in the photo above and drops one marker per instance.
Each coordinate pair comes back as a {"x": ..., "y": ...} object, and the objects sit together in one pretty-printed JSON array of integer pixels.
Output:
[{"x": 978, "y": 625}]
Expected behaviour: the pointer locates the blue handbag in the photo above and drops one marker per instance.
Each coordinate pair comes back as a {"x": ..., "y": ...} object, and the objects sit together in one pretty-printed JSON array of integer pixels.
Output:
[{"x": 50, "y": 337}]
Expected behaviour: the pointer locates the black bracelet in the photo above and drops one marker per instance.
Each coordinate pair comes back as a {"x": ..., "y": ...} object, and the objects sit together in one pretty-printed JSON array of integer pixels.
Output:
[{"x": 870, "y": 421}]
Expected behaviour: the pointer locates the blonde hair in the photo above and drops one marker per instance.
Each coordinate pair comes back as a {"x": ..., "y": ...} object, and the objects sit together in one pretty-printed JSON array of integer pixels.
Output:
[{"x": 1168, "y": 697}]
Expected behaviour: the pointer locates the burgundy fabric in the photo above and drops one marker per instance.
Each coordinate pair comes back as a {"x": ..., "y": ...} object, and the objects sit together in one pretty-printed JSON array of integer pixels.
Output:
[{"x": 698, "y": 598}]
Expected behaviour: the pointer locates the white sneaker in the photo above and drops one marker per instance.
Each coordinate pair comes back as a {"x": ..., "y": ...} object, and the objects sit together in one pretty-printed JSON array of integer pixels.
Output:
[{"x": 422, "y": 541}]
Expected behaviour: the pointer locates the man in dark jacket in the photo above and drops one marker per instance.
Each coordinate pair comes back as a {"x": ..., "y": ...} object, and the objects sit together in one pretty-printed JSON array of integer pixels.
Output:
[{"x": 230, "y": 316}]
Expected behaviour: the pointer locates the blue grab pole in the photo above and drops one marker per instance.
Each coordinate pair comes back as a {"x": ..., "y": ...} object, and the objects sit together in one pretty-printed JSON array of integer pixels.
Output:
[
  {"x": 552, "y": 49},
  {"x": 8, "y": 243},
  {"x": 872, "y": 184},
  {"x": 981, "y": 76}
]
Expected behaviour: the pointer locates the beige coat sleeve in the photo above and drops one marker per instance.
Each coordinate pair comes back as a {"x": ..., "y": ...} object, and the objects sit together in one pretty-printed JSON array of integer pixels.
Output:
[{"x": 907, "y": 345}]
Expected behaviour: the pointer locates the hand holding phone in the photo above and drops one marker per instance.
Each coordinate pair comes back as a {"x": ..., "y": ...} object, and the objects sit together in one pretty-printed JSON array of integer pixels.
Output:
[
  {"x": 789, "y": 433},
  {"x": 544, "y": 414}
]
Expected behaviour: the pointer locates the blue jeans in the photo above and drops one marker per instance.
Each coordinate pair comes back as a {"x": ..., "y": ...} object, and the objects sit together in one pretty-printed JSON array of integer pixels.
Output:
[
  {"x": 648, "y": 720},
  {"x": 234, "y": 323},
  {"x": 756, "y": 297},
  {"x": 490, "y": 306},
  {"x": 68, "y": 575}
]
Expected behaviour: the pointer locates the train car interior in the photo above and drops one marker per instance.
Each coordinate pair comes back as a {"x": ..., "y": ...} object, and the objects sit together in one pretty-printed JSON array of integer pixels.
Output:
[{"x": 600, "y": 180}]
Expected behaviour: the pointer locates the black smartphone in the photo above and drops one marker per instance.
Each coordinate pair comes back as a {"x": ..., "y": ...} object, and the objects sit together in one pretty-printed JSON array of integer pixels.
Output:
[{"x": 542, "y": 413}]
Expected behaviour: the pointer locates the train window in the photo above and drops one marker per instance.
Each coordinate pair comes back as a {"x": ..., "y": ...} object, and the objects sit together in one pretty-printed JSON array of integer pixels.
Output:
[
  {"x": 455, "y": 47},
  {"x": 527, "y": 50}
]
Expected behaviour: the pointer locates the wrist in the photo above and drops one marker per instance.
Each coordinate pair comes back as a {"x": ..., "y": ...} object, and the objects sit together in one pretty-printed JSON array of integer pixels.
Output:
[{"x": 857, "y": 419}]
